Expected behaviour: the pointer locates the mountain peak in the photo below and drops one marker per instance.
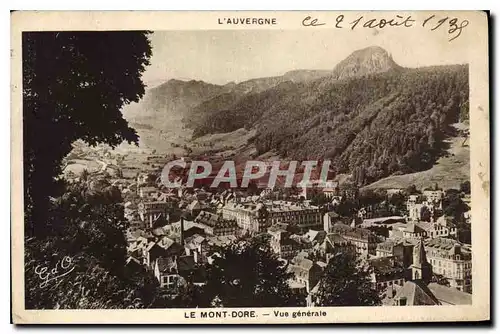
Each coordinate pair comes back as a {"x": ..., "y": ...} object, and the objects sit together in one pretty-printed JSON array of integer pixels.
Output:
[
  {"x": 373, "y": 49},
  {"x": 373, "y": 59}
]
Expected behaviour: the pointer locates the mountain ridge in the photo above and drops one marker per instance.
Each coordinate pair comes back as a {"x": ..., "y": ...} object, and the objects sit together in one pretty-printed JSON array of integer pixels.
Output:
[{"x": 369, "y": 115}]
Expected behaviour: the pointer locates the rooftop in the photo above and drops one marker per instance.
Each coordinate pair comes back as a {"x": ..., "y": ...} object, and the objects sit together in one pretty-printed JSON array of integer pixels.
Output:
[
  {"x": 387, "y": 220},
  {"x": 355, "y": 232},
  {"x": 450, "y": 296},
  {"x": 416, "y": 293},
  {"x": 214, "y": 220},
  {"x": 335, "y": 239},
  {"x": 414, "y": 228}
]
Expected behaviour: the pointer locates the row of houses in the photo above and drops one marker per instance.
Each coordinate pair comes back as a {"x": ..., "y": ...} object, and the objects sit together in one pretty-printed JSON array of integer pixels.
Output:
[{"x": 258, "y": 217}]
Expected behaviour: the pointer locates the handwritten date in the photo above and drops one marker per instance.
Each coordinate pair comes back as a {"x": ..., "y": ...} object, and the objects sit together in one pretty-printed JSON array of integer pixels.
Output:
[{"x": 453, "y": 25}]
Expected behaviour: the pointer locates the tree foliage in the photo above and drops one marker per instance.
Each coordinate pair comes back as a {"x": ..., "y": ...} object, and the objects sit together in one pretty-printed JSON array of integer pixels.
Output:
[
  {"x": 465, "y": 187},
  {"x": 319, "y": 199},
  {"x": 453, "y": 205},
  {"x": 86, "y": 225},
  {"x": 346, "y": 283},
  {"x": 74, "y": 86},
  {"x": 425, "y": 214},
  {"x": 248, "y": 274}
]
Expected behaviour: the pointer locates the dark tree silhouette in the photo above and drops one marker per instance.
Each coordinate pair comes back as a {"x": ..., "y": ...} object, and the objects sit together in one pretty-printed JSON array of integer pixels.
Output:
[
  {"x": 453, "y": 205},
  {"x": 398, "y": 203},
  {"x": 425, "y": 214},
  {"x": 319, "y": 199},
  {"x": 412, "y": 190},
  {"x": 74, "y": 85},
  {"x": 465, "y": 187},
  {"x": 87, "y": 226},
  {"x": 248, "y": 274},
  {"x": 346, "y": 283}
]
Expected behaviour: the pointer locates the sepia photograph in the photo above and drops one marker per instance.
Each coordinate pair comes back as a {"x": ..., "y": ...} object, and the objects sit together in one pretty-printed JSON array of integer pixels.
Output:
[{"x": 260, "y": 167}]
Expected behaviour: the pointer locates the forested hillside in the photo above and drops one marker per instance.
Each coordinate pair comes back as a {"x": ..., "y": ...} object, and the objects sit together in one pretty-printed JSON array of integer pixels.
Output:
[
  {"x": 371, "y": 126},
  {"x": 369, "y": 115}
]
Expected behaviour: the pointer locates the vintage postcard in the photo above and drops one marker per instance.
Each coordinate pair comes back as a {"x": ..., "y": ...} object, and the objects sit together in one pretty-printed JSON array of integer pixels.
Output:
[{"x": 250, "y": 167}]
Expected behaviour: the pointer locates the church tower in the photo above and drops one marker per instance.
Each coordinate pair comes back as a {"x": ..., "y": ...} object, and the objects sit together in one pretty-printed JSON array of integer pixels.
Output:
[{"x": 420, "y": 269}]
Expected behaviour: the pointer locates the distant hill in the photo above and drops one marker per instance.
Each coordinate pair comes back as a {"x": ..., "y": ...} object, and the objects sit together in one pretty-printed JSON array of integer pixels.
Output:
[
  {"x": 370, "y": 116},
  {"x": 172, "y": 98},
  {"x": 232, "y": 110},
  {"x": 370, "y": 126},
  {"x": 177, "y": 97}
]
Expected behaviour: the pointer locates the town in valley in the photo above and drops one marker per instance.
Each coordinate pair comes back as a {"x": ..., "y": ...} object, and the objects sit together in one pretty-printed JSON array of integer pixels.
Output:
[
  {"x": 349, "y": 182},
  {"x": 415, "y": 247}
]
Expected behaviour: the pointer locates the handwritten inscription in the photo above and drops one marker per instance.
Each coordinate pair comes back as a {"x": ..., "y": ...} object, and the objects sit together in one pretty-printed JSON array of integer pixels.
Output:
[
  {"x": 61, "y": 269},
  {"x": 453, "y": 25}
]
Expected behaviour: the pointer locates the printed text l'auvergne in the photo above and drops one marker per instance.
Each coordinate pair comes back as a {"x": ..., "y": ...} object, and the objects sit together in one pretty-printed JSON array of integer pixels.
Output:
[{"x": 247, "y": 20}]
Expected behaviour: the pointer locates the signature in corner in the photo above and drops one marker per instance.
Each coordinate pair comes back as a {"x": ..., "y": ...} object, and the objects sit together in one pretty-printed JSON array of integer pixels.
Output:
[{"x": 61, "y": 269}]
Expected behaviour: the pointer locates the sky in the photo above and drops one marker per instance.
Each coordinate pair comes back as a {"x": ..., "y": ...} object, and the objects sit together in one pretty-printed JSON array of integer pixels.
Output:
[{"x": 222, "y": 56}]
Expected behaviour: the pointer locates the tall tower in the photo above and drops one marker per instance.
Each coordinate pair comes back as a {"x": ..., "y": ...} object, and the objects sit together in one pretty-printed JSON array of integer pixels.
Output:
[{"x": 420, "y": 269}]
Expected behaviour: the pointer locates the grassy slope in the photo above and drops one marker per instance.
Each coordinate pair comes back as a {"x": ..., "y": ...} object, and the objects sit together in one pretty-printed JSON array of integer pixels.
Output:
[{"x": 448, "y": 172}]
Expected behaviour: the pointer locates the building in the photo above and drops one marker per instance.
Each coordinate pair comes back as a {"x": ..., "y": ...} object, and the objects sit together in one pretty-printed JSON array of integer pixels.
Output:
[
  {"x": 444, "y": 227},
  {"x": 417, "y": 293},
  {"x": 349, "y": 190},
  {"x": 151, "y": 212},
  {"x": 329, "y": 219},
  {"x": 315, "y": 237},
  {"x": 215, "y": 224},
  {"x": 147, "y": 192},
  {"x": 412, "y": 200},
  {"x": 286, "y": 248},
  {"x": 411, "y": 293},
  {"x": 365, "y": 213},
  {"x": 452, "y": 260},
  {"x": 414, "y": 231},
  {"x": 394, "y": 191},
  {"x": 250, "y": 217},
  {"x": 364, "y": 240},
  {"x": 188, "y": 228},
  {"x": 257, "y": 217},
  {"x": 328, "y": 188},
  {"x": 301, "y": 215},
  {"x": 331, "y": 191},
  {"x": 165, "y": 247},
  {"x": 220, "y": 241},
  {"x": 420, "y": 269},
  {"x": 438, "y": 229},
  {"x": 198, "y": 247},
  {"x": 387, "y": 221},
  {"x": 333, "y": 244},
  {"x": 415, "y": 210},
  {"x": 281, "y": 244},
  {"x": 174, "y": 271},
  {"x": 450, "y": 296},
  {"x": 385, "y": 272},
  {"x": 305, "y": 272},
  {"x": 196, "y": 206},
  {"x": 433, "y": 195},
  {"x": 401, "y": 250}
]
